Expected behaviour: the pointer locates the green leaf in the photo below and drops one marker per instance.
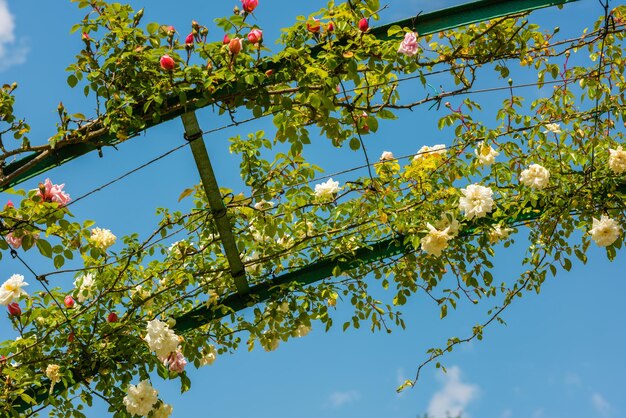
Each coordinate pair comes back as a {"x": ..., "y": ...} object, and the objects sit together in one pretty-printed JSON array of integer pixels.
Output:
[
  {"x": 44, "y": 247},
  {"x": 355, "y": 144},
  {"x": 72, "y": 81},
  {"x": 59, "y": 260},
  {"x": 152, "y": 28},
  {"x": 184, "y": 194}
]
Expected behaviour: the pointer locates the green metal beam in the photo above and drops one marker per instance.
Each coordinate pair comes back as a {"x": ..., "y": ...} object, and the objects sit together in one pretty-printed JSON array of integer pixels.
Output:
[
  {"x": 466, "y": 14},
  {"x": 220, "y": 216},
  {"x": 40, "y": 162}
]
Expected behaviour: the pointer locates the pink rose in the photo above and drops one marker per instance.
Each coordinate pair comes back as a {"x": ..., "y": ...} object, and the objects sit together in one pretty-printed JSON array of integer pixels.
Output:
[
  {"x": 176, "y": 362},
  {"x": 409, "y": 45},
  {"x": 235, "y": 45},
  {"x": 255, "y": 36},
  {"x": 13, "y": 241},
  {"x": 53, "y": 193},
  {"x": 167, "y": 63},
  {"x": 364, "y": 25},
  {"x": 249, "y": 5}
]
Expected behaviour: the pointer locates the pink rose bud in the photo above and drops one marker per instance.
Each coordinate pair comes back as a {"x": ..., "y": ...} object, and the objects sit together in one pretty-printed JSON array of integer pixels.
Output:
[
  {"x": 69, "y": 302},
  {"x": 189, "y": 39},
  {"x": 331, "y": 27},
  {"x": 249, "y": 5},
  {"x": 167, "y": 63},
  {"x": 226, "y": 39},
  {"x": 235, "y": 45},
  {"x": 313, "y": 27},
  {"x": 255, "y": 36},
  {"x": 112, "y": 317},
  {"x": 9, "y": 205},
  {"x": 85, "y": 36},
  {"x": 364, "y": 25},
  {"x": 269, "y": 72},
  {"x": 14, "y": 309},
  {"x": 194, "y": 24},
  {"x": 171, "y": 29}
]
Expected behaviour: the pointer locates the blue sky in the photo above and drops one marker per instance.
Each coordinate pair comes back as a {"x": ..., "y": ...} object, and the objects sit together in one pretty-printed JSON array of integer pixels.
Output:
[{"x": 561, "y": 355}]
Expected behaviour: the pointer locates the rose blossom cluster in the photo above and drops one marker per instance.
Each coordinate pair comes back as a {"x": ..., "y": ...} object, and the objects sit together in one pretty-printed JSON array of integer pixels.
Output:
[
  {"x": 164, "y": 343},
  {"x": 102, "y": 238}
]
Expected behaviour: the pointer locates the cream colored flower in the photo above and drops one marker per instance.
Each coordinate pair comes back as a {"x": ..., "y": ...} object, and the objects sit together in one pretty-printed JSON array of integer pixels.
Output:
[
  {"x": 387, "y": 156},
  {"x": 617, "y": 160},
  {"x": 535, "y": 176},
  {"x": 102, "y": 238},
  {"x": 604, "y": 231},
  {"x": 486, "y": 154},
  {"x": 476, "y": 201},
  {"x": 160, "y": 338},
  {"x": 263, "y": 205},
  {"x": 435, "y": 241},
  {"x": 85, "y": 285},
  {"x": 327, "y": 189},
  {"x": 498, "y": 233},
  {"x": 426, "y": 151},
  {"x": 140, "y": 399},
  {"x": 11, "y": 290},
  {"x": 554, "y": 128},
  {"x": 210, "y": 357},
  {"x": 164, "y": 411},
  {"x": 53, "y": 372}
]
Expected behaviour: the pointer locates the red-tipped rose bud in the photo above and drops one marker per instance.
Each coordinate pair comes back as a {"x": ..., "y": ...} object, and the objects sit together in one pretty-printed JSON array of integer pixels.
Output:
[
  {"x": 331, "y": 27},
  {"x": 269, "y": 72},
  {"x": 86, "y": 37},
  {"x": 364, "y": 25},
  {"x": 235, "y": 45},
  {"x": 9, "y": 205},
  {"x": 249, "y": 5},
  {"x": 69, "y": 302},
  {"x": 255, "y": 36},
  {"x": 226, "y": 39},
  {"x": 112, "y": 317},
  {"x": 14, "y": 309},
  {"x": 313, "y": 27},
  {"x": 189, "y": 39},
  {"x": 167, "y": 63}
]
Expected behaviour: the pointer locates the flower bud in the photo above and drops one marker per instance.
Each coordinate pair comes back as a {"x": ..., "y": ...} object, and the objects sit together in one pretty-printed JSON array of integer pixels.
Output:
[
  {"x": 112, "y": 317},
  {"x": 167, "y": 63},
  {"x": 234, "y": 46},
  {"x": 194, "y": 25},
  {"x": 313, "y": 27},
  {"x": 226, "y": 39},
  {"x": 9, "y": 205},
  {"x": 86, "y": 37},
  {"x": 236, "y": 10},
  {"x": 331, "y": 27},
  {"x": 14, "y": 309},
  {"x": 189, "y": 39},
  {"x": 249, "y": 5},
  {"x": 255, "y": 36},
  {"x": 69, "y": 302},
  {"x": 364, "y": 25}
]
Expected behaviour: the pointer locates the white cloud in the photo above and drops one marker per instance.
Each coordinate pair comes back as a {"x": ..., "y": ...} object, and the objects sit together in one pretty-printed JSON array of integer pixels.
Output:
[
  {"x": 453, "y": 397},
  {"x": 507, "y": 413},
  {"x": 601, "y": 404},
  {"x": 10, "y": 52},
  {"x": 337, "y": 399}
]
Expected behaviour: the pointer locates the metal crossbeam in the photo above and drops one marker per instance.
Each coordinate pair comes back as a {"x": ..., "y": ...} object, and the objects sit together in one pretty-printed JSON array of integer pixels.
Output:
[
  {"x": 92, "y": 137},
  {"x": 214, "y": 196}
]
